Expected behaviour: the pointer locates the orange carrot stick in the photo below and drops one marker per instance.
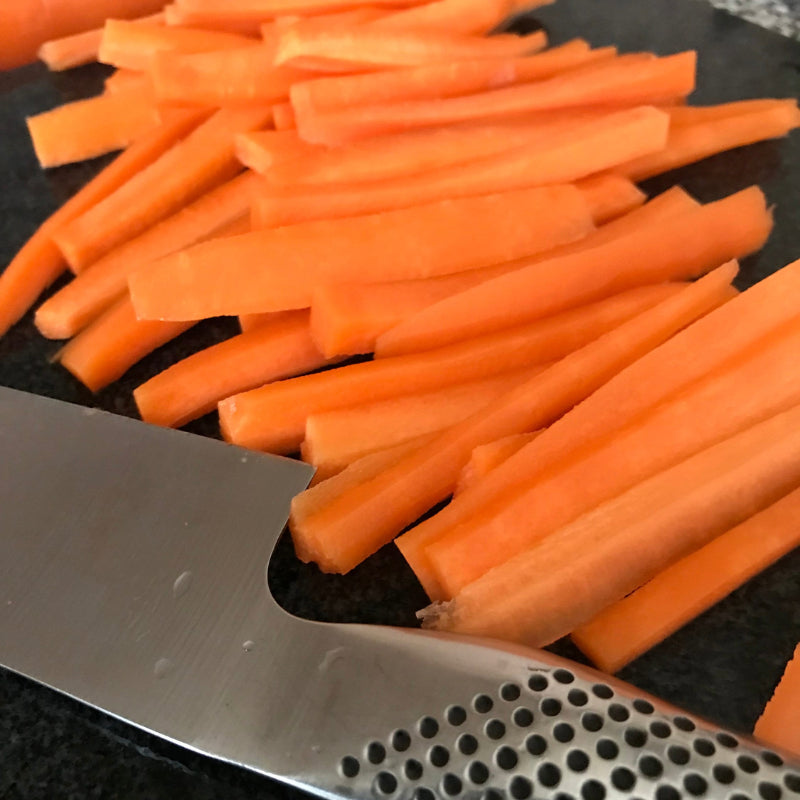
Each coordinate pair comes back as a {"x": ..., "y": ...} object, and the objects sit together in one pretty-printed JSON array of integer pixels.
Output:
[
  {"x": 125, "y": 79},
  {"x": 261, "y": 150},
  {"x": 40, "y": 262},
  {"x": 283, "y": 117},
  {"x": 436, "y": 81},
  {"x": 182, "y": 17},
  {"x": 415, "y": 242},
  {"x": 239, "y": 76},
  {"x": 260, "y": 10},
  {"x": 71, "y": 51},
  {"x": 702, "y": 348},
  {"x": 693, "y": 141},
  {"x": 777, "y": 725},
  {"x": 88, "y": 128},
  {"x": 366, "y": 46},
  {"x": 361, "y": 520},
  {"x": 113, "y": 343},
  {"x": 347, "y": 319},
  {"x": 609, "y": 198},
  {"x": 80, "y": 301},
  {"x": 27, "y": 24},
  {"x": 274, "y": 350},
  {"x": 629, "y": 539},
  {"x": 755, "y": 387},
  {"x": 679, "y": 594},
  {"x": 334, "y": 439},
  {"x": 274, "y": 417},
  {"x": 201, "y": 161},
  {"x": 626, "y": 80},
  {"x": 728, "y": 228},
  {"x": 133, "y": 45},
  {"x": 249, "y": 322},
  {"x": 486, "y": 457}
]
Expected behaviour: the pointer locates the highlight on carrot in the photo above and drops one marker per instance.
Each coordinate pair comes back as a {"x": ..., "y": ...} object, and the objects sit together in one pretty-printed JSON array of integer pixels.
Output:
[
  {"x": 370, "y": 515},
  {"x": 679, "y": 594},
  {"x": 777, "y": 724},
  {"x": 416, "y": 242}
]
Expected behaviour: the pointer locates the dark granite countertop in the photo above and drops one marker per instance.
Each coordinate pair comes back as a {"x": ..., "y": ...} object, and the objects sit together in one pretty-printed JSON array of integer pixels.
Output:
[{"x": 723, "y": 666}]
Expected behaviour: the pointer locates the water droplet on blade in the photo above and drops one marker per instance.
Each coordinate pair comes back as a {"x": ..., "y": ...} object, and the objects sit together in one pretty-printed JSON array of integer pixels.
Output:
[
  {"x": 248, "y": 646},
  {"x": 162, "y": 668},
  {"x": 182, "y": 584}
]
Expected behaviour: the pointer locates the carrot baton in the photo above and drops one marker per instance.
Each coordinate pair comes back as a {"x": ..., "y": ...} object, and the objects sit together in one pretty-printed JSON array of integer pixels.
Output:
[
  {"x": 629, "y": 539},
  {"x": 113, "y": 343},
  {"x": 71, "y": 51},
  {"x": 679, "y": 594},
  {"x": 486, "y": 457},
  {"x": 204, "y": 159},
  {"x": 416, "y": 242},
  {"x": 276, "y": 349},
  {"x": 89, "y": 128},
  {"x": 40, "y": 261},
  {"x": 368, "y": 516},
  {"x": 79, "y": 302},
  {"x": 760, "y": 384},
  {"x": 729, "y": 228},
  {"x": 260, "y": 10},
  {"x": 777, "y": 725},
  {"x": 704, "y": 347}
]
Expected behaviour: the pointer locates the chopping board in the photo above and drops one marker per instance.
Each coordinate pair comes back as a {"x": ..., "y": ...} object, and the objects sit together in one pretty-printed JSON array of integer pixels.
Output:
[{"x": 723, "y": 666}]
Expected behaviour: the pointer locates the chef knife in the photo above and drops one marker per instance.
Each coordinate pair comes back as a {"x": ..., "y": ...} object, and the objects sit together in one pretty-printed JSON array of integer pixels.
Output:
[{"x": 133, "y": 578}]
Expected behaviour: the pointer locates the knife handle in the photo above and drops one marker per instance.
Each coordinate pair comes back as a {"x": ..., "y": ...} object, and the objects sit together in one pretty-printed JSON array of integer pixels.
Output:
[{"x": 527, "y": 724}]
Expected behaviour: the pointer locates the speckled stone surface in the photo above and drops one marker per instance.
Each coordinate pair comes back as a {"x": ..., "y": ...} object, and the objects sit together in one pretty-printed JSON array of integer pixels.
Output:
[{"x": 723, "y": 666}]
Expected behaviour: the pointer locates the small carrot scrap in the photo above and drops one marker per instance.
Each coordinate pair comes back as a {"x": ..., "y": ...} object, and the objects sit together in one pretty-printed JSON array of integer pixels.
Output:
[
  {"x": 334, "y": 439},
  {"x": 704, "y": 347},
  {"x": 777, "y": 725},
  {"x": 80, "y": 301},
  {"x": 486, "y": 457},
  {"x": 113, "y": 343},
  {"x": 629, "y": 539},
  {"x": 755, "y": 387},
  {"x": 367, "y": 46},
  {"x": 134, "y": 44},
  {"x": 40, "y": 261},
  {"x": 679, "y": 594},
  {"x": 633, "y": 79},
  {"x": 369, "y": 515},
  {"x": 436, "y": 81},
  {"x": 416, "y": 242},
  {"x": 274, "y": 350},
  {"x": 729, "y": 228},
  {"x": 89, "y": 128},
  {"x": 204, "y": 159}
]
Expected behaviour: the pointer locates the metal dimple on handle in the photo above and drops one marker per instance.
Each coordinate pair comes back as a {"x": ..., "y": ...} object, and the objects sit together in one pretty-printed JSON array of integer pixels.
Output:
[{"x": 557, "y": 735}]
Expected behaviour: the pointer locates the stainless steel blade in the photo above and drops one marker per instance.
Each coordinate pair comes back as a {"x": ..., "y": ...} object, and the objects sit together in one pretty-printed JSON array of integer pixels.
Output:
[{"x": 132, "y": 577}]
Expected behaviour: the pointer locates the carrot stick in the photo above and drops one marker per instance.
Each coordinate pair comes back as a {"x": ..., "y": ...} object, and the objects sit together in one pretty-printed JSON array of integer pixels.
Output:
[
  {"x": 40, "y": 262},
  {"x": 249, "y": 322},
  {"x": 133, "y": 45},
  {"x": 702, "y": 348},
  {"x": 27, "y": 24},
  {"x": 182, "y": 17},
  {"x": 691, "y": 115},
  {"x": 777, "y": 725},
  {"x": 366, "y": 46},
  {"x": 415, "y": 242},
  {"x": 366, "y": 517},
  {"x": 259, "y": 10},
  {"x": 347, "y": 319},
  {"x": 274, "y": 417},
  {"x": 82, "y": 300},
  {"x": 239, "y": 76},
  {"x": 755, "y": 387},
  {"x": 283, "y": 117},
  {"x": 626, "y": 80},
  {"x": 125, "y": 79},
  {"x": 436, "y": 81},
  {"x": 486, "y": 457},
  {"x": 201, "y": 161},
  {"x": 610, "y": 198},
  {"x": 113, "y": 343},
  {"x": 334, "y": 439},
  {"x": 729, "y": 228},
  {"x": 679, "y": 594},
  {"x": 629, "y": 539},
  {"x": 71, "y": 51},
  {"x": 567, "y": 151},
  {"x": 261, "y": 150},
  {"x": 693, "y": 141},
  {"x": 276, "y": 349},
  {"x": 89, "y": 128},
  {"x": 476, "y": 17}
]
